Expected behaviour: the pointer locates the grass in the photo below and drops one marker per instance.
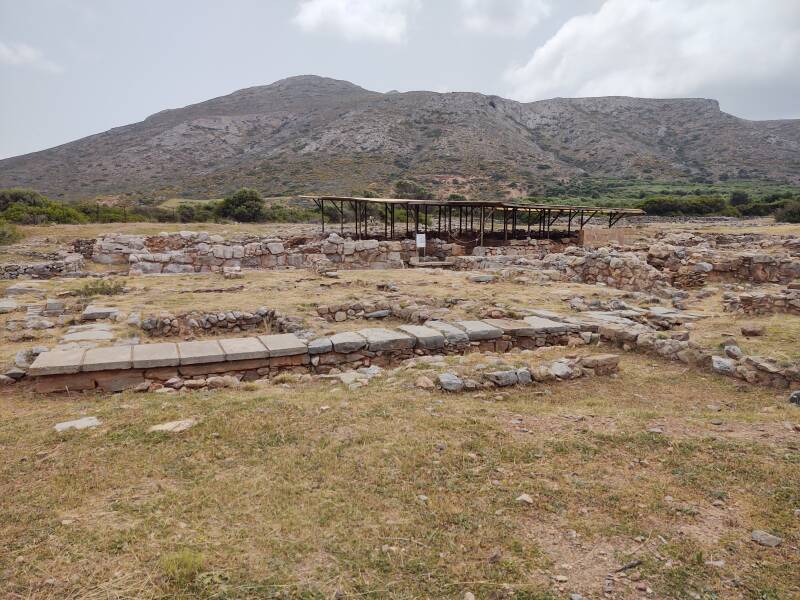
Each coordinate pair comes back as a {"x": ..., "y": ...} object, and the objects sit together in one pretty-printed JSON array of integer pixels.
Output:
[
  {"x": 271, "y": 495},
  {"x": 100, "y": 287}
]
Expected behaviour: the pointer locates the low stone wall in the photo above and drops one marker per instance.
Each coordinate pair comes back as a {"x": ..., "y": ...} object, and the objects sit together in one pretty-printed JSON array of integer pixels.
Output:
[
  {"x": 753, "y": 369},
  {"x": 123, "y": 367},
  {"x": 235, "y": 321},
  {"x": 763, "y": 303},
  {"x": 200, "y": 252},
  {"x": 622, "y": 270},
  {"x": 65, "y": 264},
  {"x": 694, "y": 266},
  {"x": 408, "y": 310},
  {"x": 531, "y": 248}
]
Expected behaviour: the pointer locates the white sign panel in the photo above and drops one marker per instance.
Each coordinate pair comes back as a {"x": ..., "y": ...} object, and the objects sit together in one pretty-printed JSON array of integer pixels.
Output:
[{"x": 420, "y": 240}]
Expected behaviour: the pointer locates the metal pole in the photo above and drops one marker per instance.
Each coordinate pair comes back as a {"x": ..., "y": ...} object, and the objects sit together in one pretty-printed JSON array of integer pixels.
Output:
[
  {"x": 322, "y": 213},
  {"x": 481, "y": 224}
]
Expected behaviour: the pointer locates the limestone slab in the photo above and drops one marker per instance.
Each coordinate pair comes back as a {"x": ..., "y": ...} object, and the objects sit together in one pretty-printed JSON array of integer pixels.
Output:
[
  {"x": 94, "y": 312},
  {"x": 149, "y": 356},
  {"x": 478, "y": 330},
  {"x": 243, "y": 348},
  {"x": 541, "y": 325},
  {"x": 347, "y": 342},
  {"x": 381, "y": 340},
  {"x": 320, "y": 345},
  {"x": 283, "y": 344},
  {"x": 195, "y": 353},
  {"x": 426, "y": 337},
  {"x": 452, "y": 334},
  {"x": 62, "y": 362},
  {"x": 512, "y": 327},
  {"x": 105, "y": 359}
]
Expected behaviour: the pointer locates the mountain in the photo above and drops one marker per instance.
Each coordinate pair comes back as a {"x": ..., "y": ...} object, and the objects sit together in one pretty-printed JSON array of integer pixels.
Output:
[{"x": 314, "y": 134}]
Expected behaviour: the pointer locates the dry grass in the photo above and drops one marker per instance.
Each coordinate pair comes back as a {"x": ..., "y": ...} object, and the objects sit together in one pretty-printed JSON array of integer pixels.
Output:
[{"x": 303, "y": 491}]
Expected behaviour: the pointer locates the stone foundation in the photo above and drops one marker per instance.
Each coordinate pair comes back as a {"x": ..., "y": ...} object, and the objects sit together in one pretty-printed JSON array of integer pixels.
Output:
[
  {"x": 764, "y": 303},
  {"x": 64, "y": 265}
]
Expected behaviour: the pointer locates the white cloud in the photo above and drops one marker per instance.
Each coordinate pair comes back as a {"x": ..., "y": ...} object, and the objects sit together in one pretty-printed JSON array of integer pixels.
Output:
[
  {"x": 665, "y": 48},
  {"x": 503, "y": 17},
  {"x": 358, "y": 20},
  {"x": 23, "y": 55}
]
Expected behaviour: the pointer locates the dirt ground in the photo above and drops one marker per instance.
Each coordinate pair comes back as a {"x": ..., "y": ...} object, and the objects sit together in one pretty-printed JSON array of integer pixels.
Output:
[{"x": 647, "y": 484}]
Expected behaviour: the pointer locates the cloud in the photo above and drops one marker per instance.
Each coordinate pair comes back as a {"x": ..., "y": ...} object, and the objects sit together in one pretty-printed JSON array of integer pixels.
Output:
[
  {"x": 23, "y": 55},
  {"x": 358, "y": 20},
  {"x": 665, "y": 48},
  {"x": 503, "y": 17}
]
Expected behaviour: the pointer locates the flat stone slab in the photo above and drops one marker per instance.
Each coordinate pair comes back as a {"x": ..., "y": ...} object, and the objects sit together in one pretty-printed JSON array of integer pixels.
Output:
[
  {"x": 283, "y": 344},
  {"x": 20, "y": 289},
  {"x": 320, "y": 345},
  {"x": 148, "y": 356},
  {"x": 7, "y": 305},
  {"x": 84, "y": 423},
  {"x": 380, "y": 339},
  {"x": 89, "y": 335},
  {"x": 347, "y": 342},
  {"x": 243, "y": 348},
  {"x": 479, "y": 331},
  {"x": 94, "y": 312},
  {"x": 63, "y": 362},
  {"x": 195, "y": 353},
  {"x": 512, "y": 327},
  {"x": 426, "y": 337},
  {"x": 173, "y": 426},
  {"x": 541, "y": 325},
  {"x": 452, "y": 334},
  {"x": 105, "y": 359}
]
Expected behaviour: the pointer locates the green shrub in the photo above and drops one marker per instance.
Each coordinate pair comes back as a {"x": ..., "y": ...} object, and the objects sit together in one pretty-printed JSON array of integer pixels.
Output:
[
  {"x": 739, "y": 198},
  {"x": 21, "y": 196},
  {"x": 244, "y": 205},
  {"x": 101, "y": 287},
  {"x": 761, "y": 209},
  {"x": 672, "y": 206},
  {"x": 789, "y": 213},
  {"x": 51, "y": 212},
  {"x": 412, "y": 191},
  {"x": 9, "y": 234}
]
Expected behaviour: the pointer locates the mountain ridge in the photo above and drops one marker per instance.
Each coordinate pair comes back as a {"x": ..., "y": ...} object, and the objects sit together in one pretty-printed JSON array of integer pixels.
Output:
[{"x": 308, "y": 133}]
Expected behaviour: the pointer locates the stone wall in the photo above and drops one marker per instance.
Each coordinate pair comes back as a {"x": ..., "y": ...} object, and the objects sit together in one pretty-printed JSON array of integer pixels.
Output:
[
  {"x": 193, "y": 252},
  {"x": 764, "y": 303},
  {"x": 693, "y": 266},
  {"x": 622, "y": 270},
  {"x": 220, "y": 322},
  {"x": 67, "y": 263}
]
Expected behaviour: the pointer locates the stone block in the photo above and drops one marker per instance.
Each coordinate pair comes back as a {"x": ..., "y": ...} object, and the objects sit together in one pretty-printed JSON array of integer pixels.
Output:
[
  {"x": 106, "y": 359},
  {"x": 243, "y": 348},
  {"x": 117, "y": 381},
  {"x": 146, "y": 356},
  {"x": 161, "y": 373},
  {"x": 381, "y": 340},
  {"x": 283, "y": 344},
  {"x": 206, "y": 351},
  {"x": 292, "y": 360},
  {"x": 65, "y": 383},
  {"x": 320, "y": 345},
  {"x": 512, "y": 327},
  {"x": 479, "y": 331},
  {"x": 223, "y": 366},
  {"x": 347, "y": 342},
  {"x": 57, "y": 363},
  {"x": 426, "y": 337},
  {"x": 452, "y": 335},
  {"x": 94, "y": 312},
  {"x": 540, "y": 325}
]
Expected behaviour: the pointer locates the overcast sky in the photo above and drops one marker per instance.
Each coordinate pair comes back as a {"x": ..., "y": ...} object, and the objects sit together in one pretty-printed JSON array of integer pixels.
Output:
[{"x": 70, "y": 68}]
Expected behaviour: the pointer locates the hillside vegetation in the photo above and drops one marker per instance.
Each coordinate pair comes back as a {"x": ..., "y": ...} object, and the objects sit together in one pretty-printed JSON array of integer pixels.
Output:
[{"x": 311, "y": 134}]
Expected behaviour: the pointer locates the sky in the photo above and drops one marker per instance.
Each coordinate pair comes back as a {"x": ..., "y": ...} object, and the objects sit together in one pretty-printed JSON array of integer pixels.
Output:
[{"x": 72, "y": 68}]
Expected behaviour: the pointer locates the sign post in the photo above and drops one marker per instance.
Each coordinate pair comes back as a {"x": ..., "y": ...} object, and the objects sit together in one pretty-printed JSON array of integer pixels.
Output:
[{"x": 421, "y": 244}]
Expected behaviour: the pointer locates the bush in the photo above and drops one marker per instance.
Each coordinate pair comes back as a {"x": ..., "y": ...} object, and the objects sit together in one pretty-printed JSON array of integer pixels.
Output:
[
  {"x": 101, "y": 287},
  {"x": 671, "y": 206},
  {"x": 8, "y": 233},
  {"x": 456, "y": 198},
  {"x": 789, "y": 213},
  {"x": 412, "y": 191},
  {"x": 51, "y": 212},
  {"x": 739, "y": 198},
  {"x": 761, "y": 209},
  {"x": 21, "y": 196},
  {"x": 245, "y": 205}
]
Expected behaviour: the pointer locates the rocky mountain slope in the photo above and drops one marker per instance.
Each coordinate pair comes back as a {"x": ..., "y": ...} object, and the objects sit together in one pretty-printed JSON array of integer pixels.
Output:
[{"x": 310, "y": 133}]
